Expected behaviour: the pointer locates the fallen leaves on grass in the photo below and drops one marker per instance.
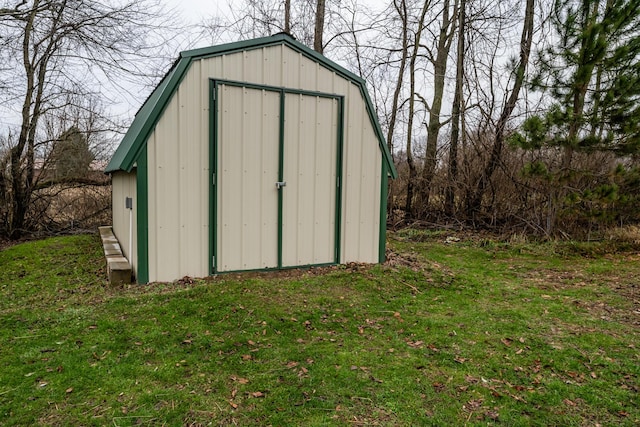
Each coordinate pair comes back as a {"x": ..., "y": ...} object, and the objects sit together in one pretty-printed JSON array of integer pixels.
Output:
[{"x": 239, "y": 380}]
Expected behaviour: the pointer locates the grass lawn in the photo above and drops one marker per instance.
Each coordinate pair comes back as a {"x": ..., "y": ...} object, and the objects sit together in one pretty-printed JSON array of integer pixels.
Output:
[{"x": 471, "y": 332}]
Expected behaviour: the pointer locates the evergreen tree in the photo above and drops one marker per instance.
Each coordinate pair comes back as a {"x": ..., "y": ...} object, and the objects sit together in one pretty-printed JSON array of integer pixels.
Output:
[
  {"x": 71, "y": 156},
  {"x": 591, "y": 73}
]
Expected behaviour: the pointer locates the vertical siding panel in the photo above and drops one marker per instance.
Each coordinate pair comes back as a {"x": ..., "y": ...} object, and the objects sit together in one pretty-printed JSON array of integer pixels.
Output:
[
  {"x": 292, "y": 133},
  {"x": 204, "y": 175},
  {"x": 168, "y": 160},
  {"x": 191, "y": 147},
  {"x": 230, "y": 170},
  {"x": 232, "y": 66},
  {"x": 178, "y": 178},
  {"x": 306, "y": 191},
  {"x": 124, "y": 185},
  {"x": 250, "y": 148},
  {"x": 270, "y": 131},
  {"x": 291, "y": 69},
  {"x": 308, "y": 77},
  {"x": 272, "y": 66},
  {"x": 212, "y": 67},
  {"x": 182, "y": 197},
  {"x": 353, "y": 170},
  {"x": 325, "y": 80},
  {"x": 325, "y": 178},
  {"x": 284, "y": 63},
  {"x": 133, "y": 257},
  {"x": 320, "y": 196},
  {"x": 152, "y": 194},
  {"x": 252, "y": 65},
  {"x": 366, "y": 246}
]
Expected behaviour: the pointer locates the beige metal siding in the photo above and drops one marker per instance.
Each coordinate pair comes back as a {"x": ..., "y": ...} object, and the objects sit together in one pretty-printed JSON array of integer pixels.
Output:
[
  {"x": 247, "y": 198},
  {"x": 310, "y": 156},
  {"x": 178, "y": 160},
  {"x": 178, "y": 191},
  {"x": 361, "y": 190},
  {"x": 123, "y": 185}
]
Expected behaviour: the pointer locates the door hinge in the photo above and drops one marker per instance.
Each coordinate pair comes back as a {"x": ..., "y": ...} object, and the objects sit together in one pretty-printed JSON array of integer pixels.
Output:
[
  {"x": 213, "y": 178},
  {"x": 213, "y": 261}
]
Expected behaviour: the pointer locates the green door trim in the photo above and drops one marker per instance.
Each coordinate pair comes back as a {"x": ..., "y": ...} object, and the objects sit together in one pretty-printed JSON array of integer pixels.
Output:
[
  {"x": 280, "y": 176},
  {"x": 213, "y": 193},
  {"x": 214, "y": 84}
]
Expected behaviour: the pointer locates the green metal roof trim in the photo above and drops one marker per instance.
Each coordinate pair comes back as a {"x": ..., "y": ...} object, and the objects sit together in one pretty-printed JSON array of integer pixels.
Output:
[{"x": 147, "y": 117}]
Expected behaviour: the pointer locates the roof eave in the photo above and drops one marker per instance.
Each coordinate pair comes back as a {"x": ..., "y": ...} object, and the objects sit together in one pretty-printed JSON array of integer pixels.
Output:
[{"x": 147, "y": 117}]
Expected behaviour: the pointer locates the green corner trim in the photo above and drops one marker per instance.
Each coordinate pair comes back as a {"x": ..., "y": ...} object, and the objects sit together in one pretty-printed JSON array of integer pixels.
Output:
[
  {"x": 338, "y": 214},
  {"x": 142, "y": 194},
  {"x": 382, "y": 235}
]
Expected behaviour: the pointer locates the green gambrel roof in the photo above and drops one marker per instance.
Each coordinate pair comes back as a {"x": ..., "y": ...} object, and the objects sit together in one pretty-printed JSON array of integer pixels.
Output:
[{"x": 147, "y": 117}]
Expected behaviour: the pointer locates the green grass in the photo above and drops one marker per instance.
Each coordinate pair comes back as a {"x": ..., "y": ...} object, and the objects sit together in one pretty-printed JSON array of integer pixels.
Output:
[{"x": 473, "y": 332}]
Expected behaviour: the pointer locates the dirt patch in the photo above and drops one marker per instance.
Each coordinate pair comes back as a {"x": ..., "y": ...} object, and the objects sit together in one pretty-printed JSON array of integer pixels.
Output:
[
  {"x": 409, "y": 260},
  {"x": 626, "y": 286},
  {"x": 190, "y": 282},
  {"x": 6, "y": 243}
]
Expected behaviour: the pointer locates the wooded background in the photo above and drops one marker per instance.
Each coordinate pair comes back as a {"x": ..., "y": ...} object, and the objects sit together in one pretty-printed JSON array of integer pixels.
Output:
[{"x": 512, "y": 116}]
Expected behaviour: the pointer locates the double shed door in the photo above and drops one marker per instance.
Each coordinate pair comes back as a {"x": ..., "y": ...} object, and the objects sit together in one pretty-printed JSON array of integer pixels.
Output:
[{"x": 276, "y": 177}]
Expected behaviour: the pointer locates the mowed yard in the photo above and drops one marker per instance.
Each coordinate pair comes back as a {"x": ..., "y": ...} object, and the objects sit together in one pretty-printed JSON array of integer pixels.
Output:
[{"x": 448, "y": 332}]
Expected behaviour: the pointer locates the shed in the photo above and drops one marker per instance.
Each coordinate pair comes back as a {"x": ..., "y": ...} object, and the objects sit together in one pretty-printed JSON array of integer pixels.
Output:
[{"x": 255, "y": 155}]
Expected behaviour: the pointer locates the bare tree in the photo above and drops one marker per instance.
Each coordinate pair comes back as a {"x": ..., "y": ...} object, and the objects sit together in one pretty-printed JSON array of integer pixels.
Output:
[
  {"x": 456, "y": 113},
  {"x": 438, "y": 60},
  {"x": 519, "y": 78},
  {"x": 60, "y": 50},
  {"x": 260, "y": 18},
  {"x": 412, "y": 94}
]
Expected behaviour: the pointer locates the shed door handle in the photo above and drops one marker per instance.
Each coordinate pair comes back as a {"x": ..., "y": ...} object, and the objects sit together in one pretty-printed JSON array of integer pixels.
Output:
[{"x": 280, "y": 184}]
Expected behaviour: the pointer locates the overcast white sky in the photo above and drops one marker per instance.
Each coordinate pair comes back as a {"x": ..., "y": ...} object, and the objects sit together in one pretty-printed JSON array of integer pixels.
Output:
[
  {"x": 195, "y": 10},
  {"x": 188, "y": 12}
]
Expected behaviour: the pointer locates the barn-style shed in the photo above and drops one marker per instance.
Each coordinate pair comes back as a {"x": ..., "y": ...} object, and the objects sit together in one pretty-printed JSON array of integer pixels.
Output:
[{"x": 254, "y": 155}]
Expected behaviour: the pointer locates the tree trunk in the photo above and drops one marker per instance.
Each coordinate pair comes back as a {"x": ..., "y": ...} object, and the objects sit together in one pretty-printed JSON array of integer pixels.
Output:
[
  {"x": 455, "y": 116},
  {"x": 287, "y": 16},
  {"x": 319, "y": 28},
  {"x": 402, "y": 11},
  {"x": 410, "y": 162},
  {"x": 20, "y": 178},
  {"x": 434, "y": 125}
]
